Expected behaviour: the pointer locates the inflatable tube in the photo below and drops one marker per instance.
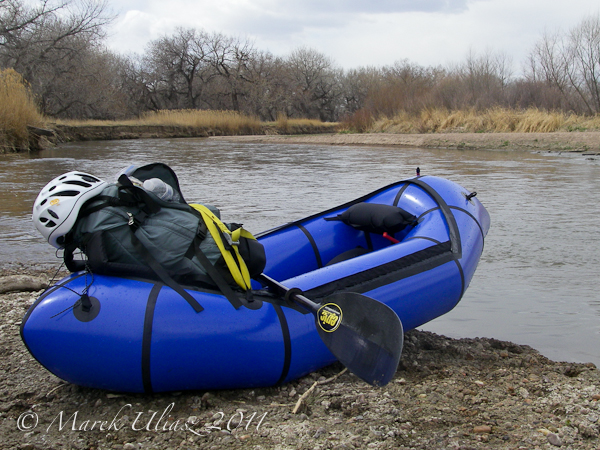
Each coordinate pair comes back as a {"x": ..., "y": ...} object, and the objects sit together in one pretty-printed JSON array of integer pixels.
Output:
[{"x": 134, "y": 335}]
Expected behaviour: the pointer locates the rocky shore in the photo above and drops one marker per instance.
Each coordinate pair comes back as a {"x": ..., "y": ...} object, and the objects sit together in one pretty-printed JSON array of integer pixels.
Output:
[{"x": 478, "y": 393}]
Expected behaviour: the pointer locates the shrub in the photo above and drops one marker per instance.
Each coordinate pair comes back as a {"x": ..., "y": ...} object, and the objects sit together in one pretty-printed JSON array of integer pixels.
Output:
[{"x": 17, "y": 111}]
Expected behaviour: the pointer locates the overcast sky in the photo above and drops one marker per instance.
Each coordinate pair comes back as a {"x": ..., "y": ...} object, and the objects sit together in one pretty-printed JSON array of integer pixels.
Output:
[{"x": 356, "y": 33}]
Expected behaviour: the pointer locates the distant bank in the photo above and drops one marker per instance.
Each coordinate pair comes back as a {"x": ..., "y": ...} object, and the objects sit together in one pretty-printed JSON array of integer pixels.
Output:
[{"x": 586, "y": 142}]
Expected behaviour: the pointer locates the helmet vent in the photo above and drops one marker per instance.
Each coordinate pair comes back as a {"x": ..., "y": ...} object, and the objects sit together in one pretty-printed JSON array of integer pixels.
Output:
[
  {"x": 79, "y": 183},
  {"x": 50, "y": 224},
  {"x": 89, "y": 178},
  {"x": 53, "y": 214},
  {"x": 67, "y": 194}
]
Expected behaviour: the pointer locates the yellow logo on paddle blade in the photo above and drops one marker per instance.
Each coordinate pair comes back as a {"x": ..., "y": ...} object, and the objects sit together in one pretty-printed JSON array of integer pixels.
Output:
[{"x": 329, "y": 317}]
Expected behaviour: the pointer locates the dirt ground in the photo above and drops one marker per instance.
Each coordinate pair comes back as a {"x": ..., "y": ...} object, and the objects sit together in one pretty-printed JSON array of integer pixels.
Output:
[
  {"x": 447, "y": 394},
  {"x": 455, "y": 394}
]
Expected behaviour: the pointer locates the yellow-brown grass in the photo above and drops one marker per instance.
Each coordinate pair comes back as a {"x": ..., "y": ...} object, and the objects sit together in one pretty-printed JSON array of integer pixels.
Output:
[
  {"x": 227, "y": 122},
  {"x": 285, "y": 125},
  {"x": 215, "y": 122},
  {"x": 495, "y": 120},
  {"x": 17, "y": 111},
  {"x": 219, "y": 122}
]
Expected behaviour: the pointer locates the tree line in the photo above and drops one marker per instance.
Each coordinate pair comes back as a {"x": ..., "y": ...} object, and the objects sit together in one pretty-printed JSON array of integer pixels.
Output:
[{"x": 58, "y": 46}]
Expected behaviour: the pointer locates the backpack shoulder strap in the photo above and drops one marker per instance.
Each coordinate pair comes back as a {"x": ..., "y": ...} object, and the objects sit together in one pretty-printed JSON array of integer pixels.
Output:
[
  {"x": 227, "y": 246},
  {"x": 162, "y": 273}
]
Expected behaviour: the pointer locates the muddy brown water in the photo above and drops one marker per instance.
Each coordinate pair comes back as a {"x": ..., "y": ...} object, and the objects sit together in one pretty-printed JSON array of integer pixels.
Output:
[{"x": 537, "y": 282}]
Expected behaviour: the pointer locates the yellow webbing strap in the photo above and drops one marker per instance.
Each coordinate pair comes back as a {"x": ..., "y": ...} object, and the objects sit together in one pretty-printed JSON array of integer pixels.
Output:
[{"x": 235, "y": 263}]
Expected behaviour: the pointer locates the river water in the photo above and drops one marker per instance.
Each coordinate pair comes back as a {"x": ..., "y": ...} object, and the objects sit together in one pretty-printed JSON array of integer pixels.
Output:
[{"x": 536, "y": 284}]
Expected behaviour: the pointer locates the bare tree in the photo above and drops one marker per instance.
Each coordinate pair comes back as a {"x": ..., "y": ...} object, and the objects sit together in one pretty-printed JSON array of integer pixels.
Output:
[
  {"x": 179, "y": 68},
  {"x": 314, "y": 84},
  {"x": 267, "y": 94},
  {"x": 570, "y": 63},
  {"x": 55, "y": 45},
  {"x": 357, "y": 85},
  {"x": 584, "y": 56},
  {"x": 230, "y": 57}
]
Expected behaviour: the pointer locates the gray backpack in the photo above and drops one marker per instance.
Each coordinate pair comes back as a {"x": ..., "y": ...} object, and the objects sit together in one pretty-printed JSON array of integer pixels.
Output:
[{"x": 128, "y": 231}]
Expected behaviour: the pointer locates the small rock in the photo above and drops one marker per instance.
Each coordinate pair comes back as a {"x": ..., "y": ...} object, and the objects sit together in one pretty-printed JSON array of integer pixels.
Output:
[
  {"x": 554, "y": 439},
  {"x": 482, "y": 429},
  {"x": 523, "y": 392},
  {"x": 205, "y": 401},
  {"x": 320, "y": 432}
]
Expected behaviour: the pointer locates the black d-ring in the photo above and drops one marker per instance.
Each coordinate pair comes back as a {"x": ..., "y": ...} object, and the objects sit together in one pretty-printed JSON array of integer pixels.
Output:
[{"x": 87, "y": 308}]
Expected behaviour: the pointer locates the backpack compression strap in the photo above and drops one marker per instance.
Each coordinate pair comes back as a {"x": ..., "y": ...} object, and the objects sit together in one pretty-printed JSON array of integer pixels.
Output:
[{"x": 231, "y": 255}]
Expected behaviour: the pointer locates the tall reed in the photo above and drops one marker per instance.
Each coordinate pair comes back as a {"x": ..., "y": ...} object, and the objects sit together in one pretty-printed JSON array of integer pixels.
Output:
[
  {"x": 493, "y": 120},
  {"x": 17, "y": 111},
  {"x": 219, "y": 122}
]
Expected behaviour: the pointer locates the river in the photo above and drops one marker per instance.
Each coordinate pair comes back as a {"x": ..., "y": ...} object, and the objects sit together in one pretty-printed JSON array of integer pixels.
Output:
[{"x": 536, "y": 284}]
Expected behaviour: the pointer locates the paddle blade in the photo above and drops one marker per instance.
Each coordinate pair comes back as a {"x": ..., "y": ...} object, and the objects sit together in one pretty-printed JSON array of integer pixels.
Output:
[{"x": 363, "y": 334}]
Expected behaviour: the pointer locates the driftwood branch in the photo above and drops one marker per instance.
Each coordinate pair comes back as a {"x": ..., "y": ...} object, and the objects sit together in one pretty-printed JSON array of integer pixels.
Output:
[
  {"x": 13, "y": 283},
  {"x": 312, "y": 388}
]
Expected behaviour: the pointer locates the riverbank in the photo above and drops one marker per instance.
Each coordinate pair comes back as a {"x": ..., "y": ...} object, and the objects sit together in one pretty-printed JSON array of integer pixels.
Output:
[
  {"x": 583, "y": 142},
  {"x": 586, "y": 142},
  {"x": 477, "y": 393},
  {"x": 73, "y": 133}
]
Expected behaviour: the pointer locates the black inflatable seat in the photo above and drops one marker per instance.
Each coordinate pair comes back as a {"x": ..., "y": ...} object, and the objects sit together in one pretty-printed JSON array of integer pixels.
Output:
[{"x": 372, "y": 218}]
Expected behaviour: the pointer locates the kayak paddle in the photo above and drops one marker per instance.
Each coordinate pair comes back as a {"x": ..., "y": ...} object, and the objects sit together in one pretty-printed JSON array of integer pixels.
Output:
[{"x": 365, "y": 335}]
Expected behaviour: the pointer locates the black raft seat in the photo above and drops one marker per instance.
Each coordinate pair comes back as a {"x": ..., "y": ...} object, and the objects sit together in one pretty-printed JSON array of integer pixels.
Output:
[{"x": 372, "y": 218}]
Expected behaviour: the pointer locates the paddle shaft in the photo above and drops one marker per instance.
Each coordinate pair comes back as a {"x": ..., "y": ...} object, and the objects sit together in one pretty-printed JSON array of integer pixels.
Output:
[{"x": 298, "y": 298}]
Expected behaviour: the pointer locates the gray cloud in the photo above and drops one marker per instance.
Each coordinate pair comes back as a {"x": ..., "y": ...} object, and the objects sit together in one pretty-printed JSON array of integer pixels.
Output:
[
  {"x": 271, "y": 18},
  {"x": 381, "y": 6}
]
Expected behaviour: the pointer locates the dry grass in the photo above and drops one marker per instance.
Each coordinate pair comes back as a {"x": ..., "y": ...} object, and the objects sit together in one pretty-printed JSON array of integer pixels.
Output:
[
  {"x": 221, "y": 122},
  {"x": 495, "y": 120},
  {"x": 17, "y": 111},
  {"x": 229, "y": 122},
  {"x": 215, "y": 122},
  {"x": 285, "y": 125}
]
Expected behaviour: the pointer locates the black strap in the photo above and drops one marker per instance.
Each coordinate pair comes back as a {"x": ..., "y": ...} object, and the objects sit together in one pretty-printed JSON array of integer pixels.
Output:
[
  {"x": 161, "y": 272},
  {"x": 217, "y": 278},
  {"x": 72, "y": 264}
]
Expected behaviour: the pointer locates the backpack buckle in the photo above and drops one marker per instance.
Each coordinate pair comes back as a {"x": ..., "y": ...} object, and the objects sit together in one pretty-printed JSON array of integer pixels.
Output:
[{"x": 230, "y": 240}]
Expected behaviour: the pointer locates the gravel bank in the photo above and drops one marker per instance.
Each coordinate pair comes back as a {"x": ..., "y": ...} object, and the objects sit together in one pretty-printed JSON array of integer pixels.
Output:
[
  {"x": 586, "y": 142},
  {"x": 447, "y": 394}
]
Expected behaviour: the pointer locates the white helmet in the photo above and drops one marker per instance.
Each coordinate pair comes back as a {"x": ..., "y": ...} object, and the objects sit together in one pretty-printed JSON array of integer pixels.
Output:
[{"x": 57, "y": 206}]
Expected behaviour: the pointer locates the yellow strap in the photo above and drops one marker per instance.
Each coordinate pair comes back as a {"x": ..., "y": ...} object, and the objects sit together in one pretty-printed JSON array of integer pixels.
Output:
[{"x": 235, "y": 264}]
